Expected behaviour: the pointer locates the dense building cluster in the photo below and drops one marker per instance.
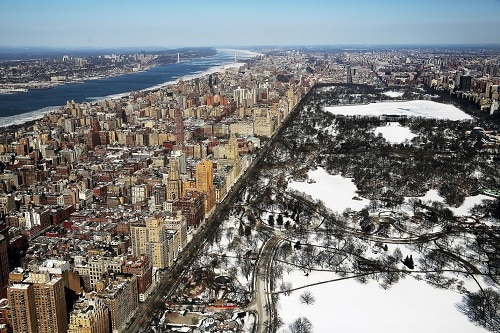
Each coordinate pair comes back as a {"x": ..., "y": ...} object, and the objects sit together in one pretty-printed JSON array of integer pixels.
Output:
[
  {"x": 98, "y": 198},
  {"x": 469, "y": 74}
]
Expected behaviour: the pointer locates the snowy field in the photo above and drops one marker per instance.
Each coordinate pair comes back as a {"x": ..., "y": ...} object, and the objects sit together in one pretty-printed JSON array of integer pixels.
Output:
[
  {"x": 424, "y": 109},
  {"x": 349, "y": 306},
  {"x": 395, "y": 133},
  {"x": 341, "y": 191},
  {"x": 463, "y": 210}
]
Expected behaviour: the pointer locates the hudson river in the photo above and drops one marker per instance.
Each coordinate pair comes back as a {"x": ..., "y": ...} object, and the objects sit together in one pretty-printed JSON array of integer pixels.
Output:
[{"x": 21, "y": 107}]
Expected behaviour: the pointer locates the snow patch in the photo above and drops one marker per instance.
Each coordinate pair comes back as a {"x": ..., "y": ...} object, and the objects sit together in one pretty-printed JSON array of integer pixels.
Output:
[
  {"x": 336, "y": 192},
  {"x": 469, "y": 202},
  {"x": 395, "y": 133},
  {"x": 463, "y": 210}
]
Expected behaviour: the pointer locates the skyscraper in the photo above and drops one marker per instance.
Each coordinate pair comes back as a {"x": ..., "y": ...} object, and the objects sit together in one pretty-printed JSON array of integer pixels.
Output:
[
  {"x": 205, "y": 183},
  {"x": 192, "y": 206},
  {"x": 4, "y": 267},
  {"x": 142, "y": 268},
  {"x": 232, "y": 149},
  {"x": 465, "y": 83},
  {"x": 38, "y": 304},
  {"x": 204, "y": 175},
  {"x": 154, "y": 240},
  {"x": 50, "y": 302},
  {"x": 22, "y": 305},
  {"x": 174, "y": 168},
  {"x": 179, "y": 127},
  {"x": 174, "y": 183}
]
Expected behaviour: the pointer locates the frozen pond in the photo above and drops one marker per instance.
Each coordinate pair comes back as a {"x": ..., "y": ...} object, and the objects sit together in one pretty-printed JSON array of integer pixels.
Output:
[{"x": 418, "y": 108}]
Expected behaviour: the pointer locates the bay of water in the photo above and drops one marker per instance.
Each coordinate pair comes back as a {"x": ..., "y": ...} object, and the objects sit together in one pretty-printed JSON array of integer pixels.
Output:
[{"x": 21, "y": 107}]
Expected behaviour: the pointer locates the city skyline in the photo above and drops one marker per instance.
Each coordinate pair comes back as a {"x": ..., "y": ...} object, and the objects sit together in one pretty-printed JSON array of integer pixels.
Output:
[{"x": 220, "y": 22}]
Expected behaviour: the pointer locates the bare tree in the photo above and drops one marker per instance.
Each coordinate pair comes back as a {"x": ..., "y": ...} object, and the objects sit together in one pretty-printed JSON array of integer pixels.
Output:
[
  {"x": 301, "y": 325},
  {"x": 229, "y": 234},
  {"x": 482, "y": 308},
  {"x": 307, "y": 298},
  {"x": 398, "y": 256},
  {"x": 277, "y": 271},
  {"x": 285, "y": 288}
]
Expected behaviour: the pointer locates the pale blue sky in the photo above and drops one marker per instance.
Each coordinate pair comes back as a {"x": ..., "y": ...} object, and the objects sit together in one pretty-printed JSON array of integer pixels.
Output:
[{"x": 113, "y": 23}]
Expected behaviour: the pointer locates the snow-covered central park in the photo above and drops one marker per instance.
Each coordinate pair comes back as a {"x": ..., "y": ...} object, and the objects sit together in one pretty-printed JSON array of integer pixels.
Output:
[{"x": 347, "y": 227}]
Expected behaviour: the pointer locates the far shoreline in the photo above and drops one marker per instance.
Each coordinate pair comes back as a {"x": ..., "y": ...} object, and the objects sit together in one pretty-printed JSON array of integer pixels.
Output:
[
  {"x": 17, "y": 121},
  {"x": 16, "y": 88},
  {"x": 14, "y": 126}
]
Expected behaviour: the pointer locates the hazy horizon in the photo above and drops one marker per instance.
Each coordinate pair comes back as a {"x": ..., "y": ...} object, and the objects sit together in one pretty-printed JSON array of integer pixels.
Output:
[
  {"x": 161, "y": 24},
  {"x": 284, "y": 46}
]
